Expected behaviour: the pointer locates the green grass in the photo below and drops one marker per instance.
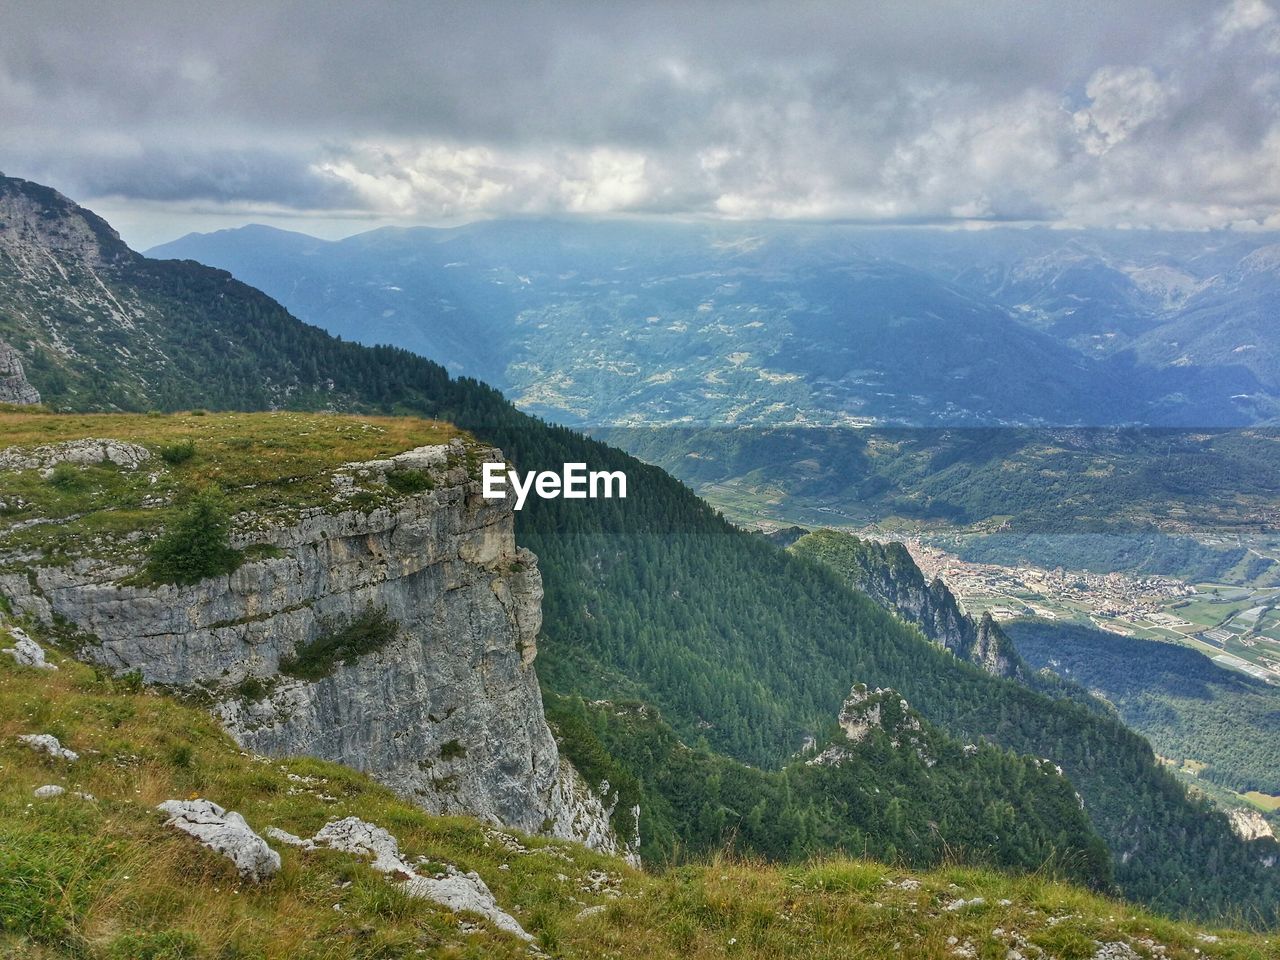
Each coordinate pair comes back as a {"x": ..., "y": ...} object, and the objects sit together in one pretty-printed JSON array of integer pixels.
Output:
[
  {"x": 105, "y": 880},
  {"x": 263, "y": 463}
]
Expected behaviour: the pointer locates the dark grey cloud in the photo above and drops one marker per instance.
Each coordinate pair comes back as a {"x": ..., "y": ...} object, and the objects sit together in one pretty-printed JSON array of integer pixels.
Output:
[
  {"x": 1151, "y": 112},
  {"x": 208, "y": 175}
]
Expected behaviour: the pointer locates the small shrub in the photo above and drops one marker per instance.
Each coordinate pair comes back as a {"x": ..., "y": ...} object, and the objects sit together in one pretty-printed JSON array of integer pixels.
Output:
[
  {"x": 130, "y": 682},
  {"x": 196, "y": 545},
  {"x": 452, "y": 750},
  {"x": 67, "y": 478},
  {"x": 363, "y": 500},
  {"x": 252, "y": 688},
  {"x": 404, "y": 481},
  {"x": 181, "y": 755},
  {"x": 178, "y": 453},
  {"x": 364, "y": 633}
]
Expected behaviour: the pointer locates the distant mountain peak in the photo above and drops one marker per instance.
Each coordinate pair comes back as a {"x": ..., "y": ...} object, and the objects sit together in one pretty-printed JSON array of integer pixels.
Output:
[{"x": 1263, "y": 260}]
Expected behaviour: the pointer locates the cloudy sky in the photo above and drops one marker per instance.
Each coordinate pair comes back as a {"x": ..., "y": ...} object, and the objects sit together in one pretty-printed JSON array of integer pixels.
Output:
[{"x": 332, "y": 118}]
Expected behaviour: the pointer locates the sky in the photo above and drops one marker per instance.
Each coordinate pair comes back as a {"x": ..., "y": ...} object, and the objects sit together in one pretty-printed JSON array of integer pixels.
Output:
[{"x": 168, "y": 117}]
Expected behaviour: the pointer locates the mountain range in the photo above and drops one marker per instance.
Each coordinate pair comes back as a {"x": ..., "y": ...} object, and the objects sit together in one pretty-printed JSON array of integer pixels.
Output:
[{"x": 610, "y": 323}]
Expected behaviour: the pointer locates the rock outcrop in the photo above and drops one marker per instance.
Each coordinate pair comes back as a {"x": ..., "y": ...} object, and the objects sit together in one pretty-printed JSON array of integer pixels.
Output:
[
  {"x": 84, "y": 453},
  {"x": 447, "y": 711},
  {"x": 224, "y": 832},
  {"x": 866, "y": 711},
  {"x": 26, "y": 652},
  {"x": 48, "y": 743},
  {"x": 39, "y": 225},
  {"x": 458, "y": 891},
  {"x": 1249, "y": 824},
  {"x": 14, "y": 385},
  {"x": 887, "y": 573}
]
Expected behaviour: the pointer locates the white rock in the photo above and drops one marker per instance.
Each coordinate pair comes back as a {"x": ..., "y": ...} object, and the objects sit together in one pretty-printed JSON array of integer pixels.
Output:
[
  {"x": 284, "y": 836},
  {"x": 906, "y": 883},
  {"x": 87, "y": 452},
  {"x": 47, "y": 743},
  {"x": 1249, "y": 824},
  {"x": 457, "y": 891},
  {"x": 587, "y": 912},
  {"x": 49, "y": 790},
  {"x": 961, "y": 903},
  {"x": 1116, "y": 951},
  {"x": 226, "y": 833},
  {"x": 26, "y": 651}
]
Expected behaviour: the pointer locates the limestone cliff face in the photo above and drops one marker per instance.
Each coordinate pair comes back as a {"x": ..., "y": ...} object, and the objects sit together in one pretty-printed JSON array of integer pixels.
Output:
[
  {"x": 993, "y": 650},
  {"x": 14, "y": 385},
  {"x": 1249, "y": 824},
  {"x": 41, "y": 228},
  {"x": 886, "y": 573},
  {"x": 448, "y": 712}
]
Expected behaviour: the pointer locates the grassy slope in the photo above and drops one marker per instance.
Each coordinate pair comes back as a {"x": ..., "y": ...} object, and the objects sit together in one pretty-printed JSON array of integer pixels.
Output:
[
  {"x": 106, "y": 879},
  {"x": 264, "y": 463}
]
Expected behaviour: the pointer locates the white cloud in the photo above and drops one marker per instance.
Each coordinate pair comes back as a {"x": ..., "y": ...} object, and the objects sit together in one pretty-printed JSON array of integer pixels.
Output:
[
  {"x": 1244, "y": 16},
  {"x": 1121, "y": 100},
  {"x": 441, "y": 181}
]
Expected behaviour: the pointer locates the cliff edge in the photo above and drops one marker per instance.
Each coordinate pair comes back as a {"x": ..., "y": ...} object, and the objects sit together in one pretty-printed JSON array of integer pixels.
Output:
[{"x": 386, "y": 620}]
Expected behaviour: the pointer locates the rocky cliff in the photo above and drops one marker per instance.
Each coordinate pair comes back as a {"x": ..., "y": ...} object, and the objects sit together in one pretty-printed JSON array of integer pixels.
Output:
[
  {"x": 14, "y": 385},
  {"x": 886, "y": 573},
  {"x": 865, "y": 711},
  {"x": 442, "y": 704}
]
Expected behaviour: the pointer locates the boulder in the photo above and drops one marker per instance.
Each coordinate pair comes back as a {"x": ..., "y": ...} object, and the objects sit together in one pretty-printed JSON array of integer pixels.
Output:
[
  {"x": 224, "y": 832},
  {"x": 47, "y": 743},
  {"x": 455, "y": 890},
  {"x": 26, "y": 652}
]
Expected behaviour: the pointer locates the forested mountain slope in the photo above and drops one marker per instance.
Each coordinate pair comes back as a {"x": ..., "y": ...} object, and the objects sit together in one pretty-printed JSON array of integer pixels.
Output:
[
  {"x": 652, "y": 597},
  {"x": 1226, "y": 723},
  {"x": 887, "y": 574}
]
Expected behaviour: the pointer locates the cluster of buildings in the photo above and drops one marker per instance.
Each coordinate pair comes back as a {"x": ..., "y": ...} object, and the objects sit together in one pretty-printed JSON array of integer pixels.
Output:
[{"x": 1025, "y": 590}]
